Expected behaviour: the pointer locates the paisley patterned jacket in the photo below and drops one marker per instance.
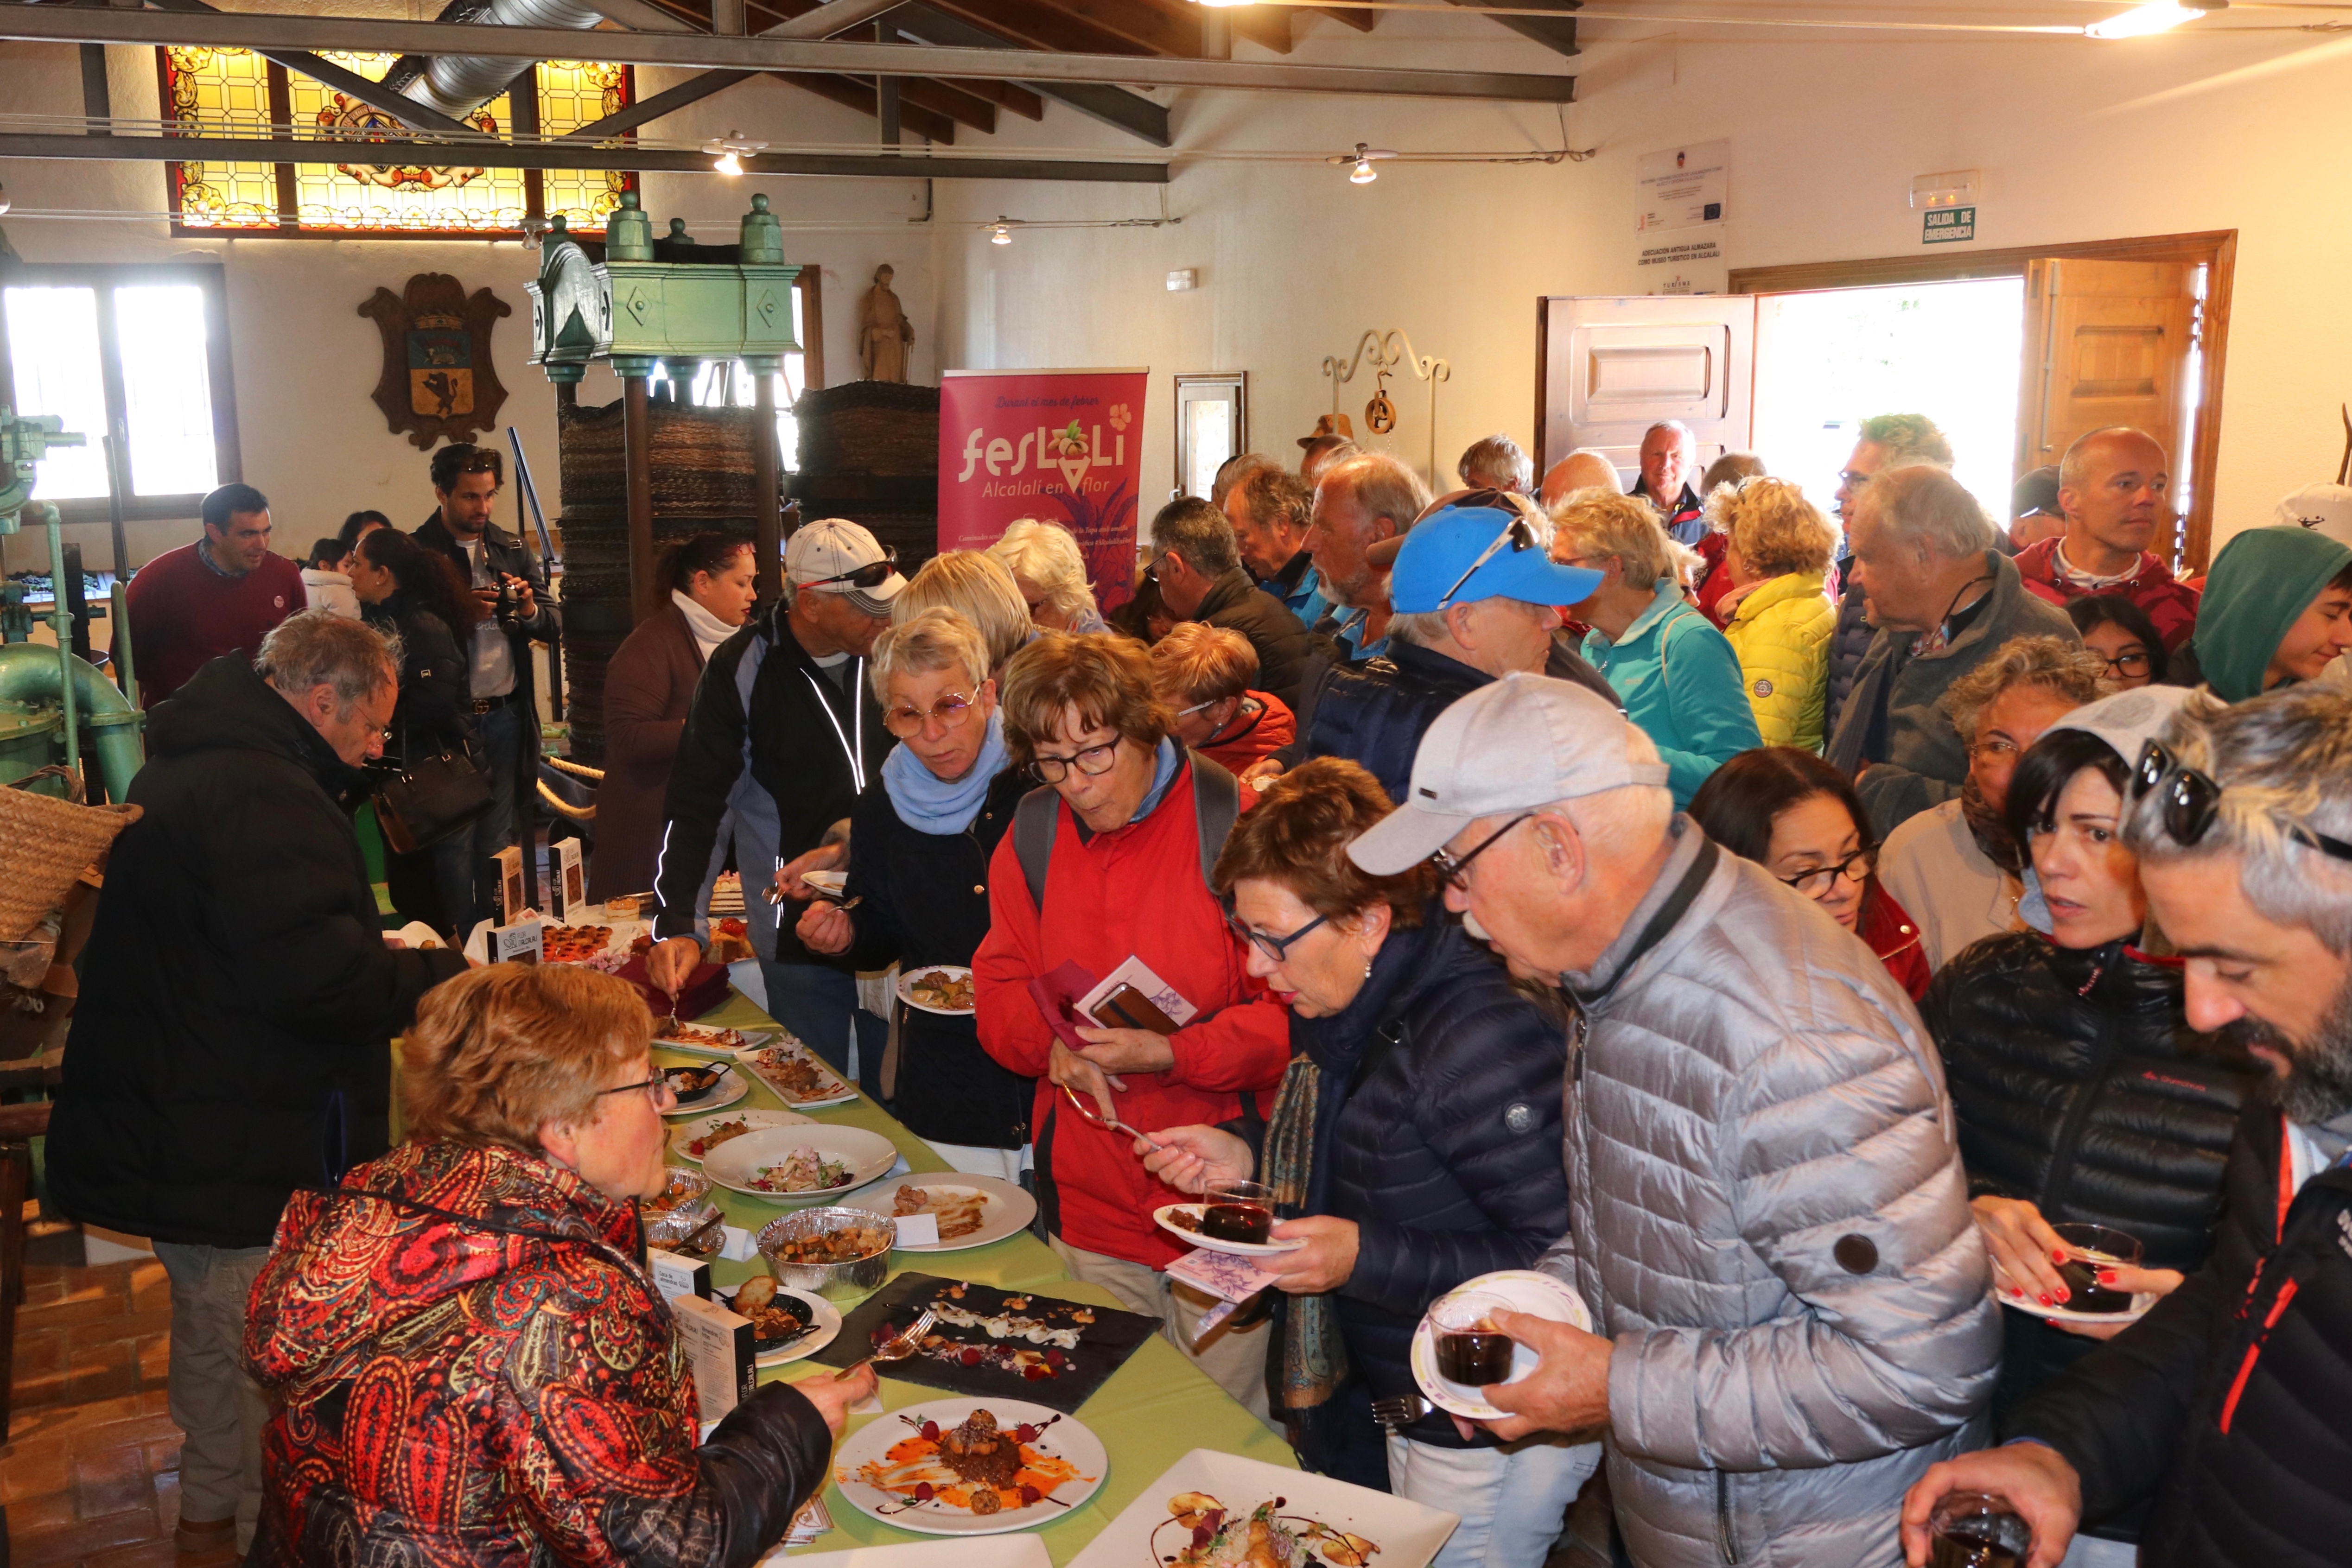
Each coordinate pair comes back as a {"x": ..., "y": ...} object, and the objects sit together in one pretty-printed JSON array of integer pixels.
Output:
[{"x": 468, "y": 1365}]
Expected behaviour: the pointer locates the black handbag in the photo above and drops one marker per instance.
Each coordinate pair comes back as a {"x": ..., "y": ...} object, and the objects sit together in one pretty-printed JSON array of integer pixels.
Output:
[{"x": 430, "y": 799}]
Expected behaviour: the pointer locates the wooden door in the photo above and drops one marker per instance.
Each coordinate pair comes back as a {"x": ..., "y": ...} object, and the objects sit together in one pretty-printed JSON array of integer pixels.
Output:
[
  {"x": 1608, "y": 367},
  {"x": 2108, "y": 343}
]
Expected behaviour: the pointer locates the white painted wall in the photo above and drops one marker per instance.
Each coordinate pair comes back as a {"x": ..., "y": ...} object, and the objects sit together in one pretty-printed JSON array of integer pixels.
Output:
[{"x": 2077, "y": 141}]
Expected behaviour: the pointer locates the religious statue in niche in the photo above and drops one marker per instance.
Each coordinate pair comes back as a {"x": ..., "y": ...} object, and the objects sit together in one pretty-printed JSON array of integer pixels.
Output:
[
  {"x": 438, "y": 382},
  {"x": 882, "y": 331}
]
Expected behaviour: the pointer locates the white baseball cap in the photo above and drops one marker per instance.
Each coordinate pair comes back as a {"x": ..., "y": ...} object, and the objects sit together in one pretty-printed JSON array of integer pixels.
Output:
[
  {"x": 834, "y": 554},
  {"x": 2322, "y": 509},
  {"x": 1514, "y": 744}
]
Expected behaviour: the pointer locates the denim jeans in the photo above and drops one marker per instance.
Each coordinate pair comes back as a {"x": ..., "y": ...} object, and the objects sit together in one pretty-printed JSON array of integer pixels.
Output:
[
  {"x": 1513, "y": 1499},
  {"x": 819, "y": 1003},
  {"x": 220, "y": 1410}
]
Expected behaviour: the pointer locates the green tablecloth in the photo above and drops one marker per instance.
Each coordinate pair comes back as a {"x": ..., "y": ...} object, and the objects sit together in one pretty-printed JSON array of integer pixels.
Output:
[{"x": 1154, "y": 1410}]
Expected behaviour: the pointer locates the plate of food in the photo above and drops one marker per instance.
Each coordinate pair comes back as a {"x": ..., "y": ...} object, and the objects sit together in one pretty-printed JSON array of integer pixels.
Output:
[
  {"x": 963, "y": 1467},
  {"x": 700, "y": 1040},
  {"x": 786, "y": 1324},
  {"x": 1211, "y": 1510},
  {"x": 1189, "y": 1221},
  {"x": 938, "y": 988},
  {"x": 799, "y": 1079},
  {"x": 573, "y": 944},
  {"x": 972, "y": 1211},
  {"x": 1475, "y": 1354},
  {"x": 700, "y": 1089},
  {"x": 800, "y": 1163},
  {"x": 692, "y": 1140}
]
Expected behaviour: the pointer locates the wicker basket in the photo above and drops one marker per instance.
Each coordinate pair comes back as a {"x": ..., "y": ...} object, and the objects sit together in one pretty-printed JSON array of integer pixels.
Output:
[{"x": 45, "y": 844}]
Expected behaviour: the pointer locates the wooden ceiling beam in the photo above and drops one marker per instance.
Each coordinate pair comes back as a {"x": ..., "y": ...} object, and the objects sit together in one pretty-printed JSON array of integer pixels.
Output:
[
  {"x": 1558, "y": 34},
  {"x": 851, "y": 93},
  {"x": 1146, "y": 26},
  {"x": 1361, "y": 20},
  {"x": 1041, "y": 26},
  {"x": 963, "y": 108},
  {"x": 1267, "y": 27},
  {"x": 1004, "y": 94}
]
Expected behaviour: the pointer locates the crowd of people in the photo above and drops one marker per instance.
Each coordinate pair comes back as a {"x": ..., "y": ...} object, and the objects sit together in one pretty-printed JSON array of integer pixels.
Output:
[{"x": 1795, "y": 934}]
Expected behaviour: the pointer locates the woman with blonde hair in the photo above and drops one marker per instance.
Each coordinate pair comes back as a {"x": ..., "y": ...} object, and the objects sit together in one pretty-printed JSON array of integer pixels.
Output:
[
  {"x": 976, "y": 586},
  {"x": 466, "y": 1357},
  {"x": 1777, "y": 548},
  {"x": 1050, "y": 572},
  {"x": 1675, "y": 672}
]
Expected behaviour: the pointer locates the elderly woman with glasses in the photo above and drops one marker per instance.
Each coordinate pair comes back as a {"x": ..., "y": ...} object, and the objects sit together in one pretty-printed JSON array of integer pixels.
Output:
[
  {"x": 1799, "y": 818},
  {"x": 467, "y": 1360},
  {"x": 1107, "y": 866},
  {"x": 1416, "y": 1144},
  {"x": 922, "y": 835},
  {"x": 2083, "y": 1094}
]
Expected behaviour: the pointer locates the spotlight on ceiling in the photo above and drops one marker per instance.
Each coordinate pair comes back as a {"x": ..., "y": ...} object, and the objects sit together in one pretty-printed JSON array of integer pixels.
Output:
[
  {"x": 1001, "y": 232},
  {"x": 2156, "y": 17},
  {"x": 729, "y": 151},
  {"x": 1363, "y": 157}
]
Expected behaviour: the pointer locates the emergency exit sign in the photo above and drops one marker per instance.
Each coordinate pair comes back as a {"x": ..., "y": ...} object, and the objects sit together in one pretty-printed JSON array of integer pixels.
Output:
[{"x": 1948, "y": 226}]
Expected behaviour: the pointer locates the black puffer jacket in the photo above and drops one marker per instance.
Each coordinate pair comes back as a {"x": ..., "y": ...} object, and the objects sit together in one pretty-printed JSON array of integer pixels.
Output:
[
  {"x": 238, "y": 998},
  {"x": 1281, "y": 640},
  {"x": 2229, "y": 1405},
  {"x": 1446, "y": 1152},
  {"x": 925, "y": 902}
]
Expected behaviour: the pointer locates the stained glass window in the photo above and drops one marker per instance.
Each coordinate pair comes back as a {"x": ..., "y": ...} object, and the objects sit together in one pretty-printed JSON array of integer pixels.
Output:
[{"x": 234, "y": 91}]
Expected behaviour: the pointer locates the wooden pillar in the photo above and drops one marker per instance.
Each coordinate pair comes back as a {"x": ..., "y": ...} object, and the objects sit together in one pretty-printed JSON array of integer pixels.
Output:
[
  {"x": 637, "y": 451},
  {"x": 767, "y": 520}
]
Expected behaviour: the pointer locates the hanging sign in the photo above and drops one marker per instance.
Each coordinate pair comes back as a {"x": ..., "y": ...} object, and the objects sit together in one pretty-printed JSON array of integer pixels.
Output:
[
  {"x": 1948, "y": 226},
  {"x": 1064, "y": 447}
]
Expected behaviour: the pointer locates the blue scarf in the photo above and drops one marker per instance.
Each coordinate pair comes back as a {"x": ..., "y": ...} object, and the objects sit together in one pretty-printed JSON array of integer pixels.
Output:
[
  {"x": 1163, "y": 773},
  {"x": 931, "y": 804}
]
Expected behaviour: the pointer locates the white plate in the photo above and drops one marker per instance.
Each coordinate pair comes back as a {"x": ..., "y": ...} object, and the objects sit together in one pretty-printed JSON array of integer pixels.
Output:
[
  {"x": 1525, "y": 1290},
  {"x": 907, "y": 988},
  {"x": 1064, "y": 1439},
  {"x": 730, "y": 1088},
  {"x": 994, "y": 1552},
  {"x": 841, "y": 1093},
  {"x": 1218, "y": 1244},
  {"x": 820, "y": 1312},
  {"x": 1008, "y": 1212},
  {"x": 827, "y": 881},
  {"x": 734, "y": 1164},
  {"x": 684, "y": 1133},
  {"x": 2140, "y": 1304},
  {"x": 689, "y": 1046},
  {"x": 1408, "y": 1534}
]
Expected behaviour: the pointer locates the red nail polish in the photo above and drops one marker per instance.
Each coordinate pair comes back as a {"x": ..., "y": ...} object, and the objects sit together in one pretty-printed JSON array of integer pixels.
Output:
[
  {"x": 2106, "y": 1276},
  {"x": 2057, "y": 1255},
  {"x": 2045, "y": 1301},
  {"x": 2062, "y": 1294}
]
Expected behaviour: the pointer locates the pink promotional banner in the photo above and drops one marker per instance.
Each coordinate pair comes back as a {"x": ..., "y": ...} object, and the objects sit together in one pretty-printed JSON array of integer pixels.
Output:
[{"x": 1062, "y": 446}]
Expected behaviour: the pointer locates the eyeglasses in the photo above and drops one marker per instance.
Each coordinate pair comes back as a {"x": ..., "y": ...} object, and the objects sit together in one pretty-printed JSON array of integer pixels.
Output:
[
  {"x": 1152, "y": 571},
  {"x": 2128, "y": 663},
  {"x": 1516, "y": 533},
  {"x": 656, "y": 1089},
  {"x": 907, "y": 722},
  {"x": 1198, "y": 707},
  {"x": 874, "y": 574},
  {"x": 1456, "y": 872},
  {"x": 1094, "y": 762},
  {"x": 1275, "y": 947},
  {"x": 1852, "y": 480},
  {"x": 1999, "y": 748},
  {"x": 1856, "y": 868},
  {"x": 2190, "y": 802}
]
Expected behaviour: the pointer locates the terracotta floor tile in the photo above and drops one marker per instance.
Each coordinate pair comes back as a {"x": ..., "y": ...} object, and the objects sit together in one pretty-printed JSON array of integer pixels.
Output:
[
  {"x": 110, "y": 1480},
  {"x": 88, "y": 1539},
  {"x": 154, "y": 1402},
  {"x": 38, "y": 1351},
  {"x": 154, "y": 1358},
  {"x": 51, "y": 1511},
  {"x": 30, "y": 1393},
  {"x": 43, "y": 1286},
  {"x": 154, "y": 1554},
  {"x": 101, "y": 1371},
  {"x": 35, "y": 1472},
  {"x": 163, "y": 1455},
  {"x": 74, "y": 1311},
  {"x": 67, "y": 1425},
  {"x": 167, "y": 1495}
]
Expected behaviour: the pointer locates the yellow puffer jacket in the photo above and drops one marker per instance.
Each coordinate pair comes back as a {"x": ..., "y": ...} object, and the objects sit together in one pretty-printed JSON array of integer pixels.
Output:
[{"x": 1781, "y": 631}]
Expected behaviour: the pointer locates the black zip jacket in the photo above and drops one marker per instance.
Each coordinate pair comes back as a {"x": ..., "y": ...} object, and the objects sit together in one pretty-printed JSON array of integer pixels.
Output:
[
  {"x": 501, "y": 551},
  {"x": 435, "y": 712},
  {"x": 1282, "y": 643},
  {"x": 2229, "y": 1405}
]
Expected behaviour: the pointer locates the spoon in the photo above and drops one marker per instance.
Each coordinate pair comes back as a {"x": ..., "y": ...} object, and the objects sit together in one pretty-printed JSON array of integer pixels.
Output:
[
  {"x": 1088, "y": 1112},
  {"x": 898, "y": 1349}
]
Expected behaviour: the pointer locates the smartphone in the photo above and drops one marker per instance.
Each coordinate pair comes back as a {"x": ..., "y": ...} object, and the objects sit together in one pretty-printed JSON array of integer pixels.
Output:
[{"x": 1128, "y": 1008}]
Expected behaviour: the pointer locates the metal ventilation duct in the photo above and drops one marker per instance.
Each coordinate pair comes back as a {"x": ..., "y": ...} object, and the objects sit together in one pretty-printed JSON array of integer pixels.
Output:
[{"x": 457, "y": 85}]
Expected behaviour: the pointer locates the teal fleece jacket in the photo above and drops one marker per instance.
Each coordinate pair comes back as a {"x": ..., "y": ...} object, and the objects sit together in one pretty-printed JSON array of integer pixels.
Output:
[
  {"x": 2261, "y": 582},
  {"x": 1679, "y": 680}
]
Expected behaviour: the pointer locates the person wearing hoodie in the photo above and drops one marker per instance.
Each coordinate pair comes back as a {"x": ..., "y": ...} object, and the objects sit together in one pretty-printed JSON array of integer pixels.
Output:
[
  {"x": 468, "y": 1359},
  {"x": 2083, "y": 1094},
  {"x": 2277, "y": 608},
  {"x": 236, "y": 997}
]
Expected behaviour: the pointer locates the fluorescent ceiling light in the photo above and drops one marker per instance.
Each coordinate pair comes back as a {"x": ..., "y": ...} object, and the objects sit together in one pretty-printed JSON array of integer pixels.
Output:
[{"x": 2156, "y": 17}]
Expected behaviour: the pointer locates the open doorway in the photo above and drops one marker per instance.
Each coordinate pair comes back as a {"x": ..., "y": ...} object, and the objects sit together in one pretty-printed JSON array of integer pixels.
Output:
[{"x": 1951, "y": 351}]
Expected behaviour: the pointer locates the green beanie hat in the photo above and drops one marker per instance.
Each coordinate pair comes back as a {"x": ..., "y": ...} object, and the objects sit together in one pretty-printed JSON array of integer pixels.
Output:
[{"x": 2261, "y": 582}]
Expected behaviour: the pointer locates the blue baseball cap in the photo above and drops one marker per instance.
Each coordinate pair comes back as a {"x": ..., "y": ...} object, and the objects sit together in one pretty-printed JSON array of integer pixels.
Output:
[{"x": 1442, "y": 546}]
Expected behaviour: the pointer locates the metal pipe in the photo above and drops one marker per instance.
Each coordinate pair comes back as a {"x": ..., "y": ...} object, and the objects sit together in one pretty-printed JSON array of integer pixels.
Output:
[
  {"x": 61, "y": 623},
  {"x": 117, "y": 639},
  {"x": 458, "y": 84},
  {"x": 31, "y": 673}
]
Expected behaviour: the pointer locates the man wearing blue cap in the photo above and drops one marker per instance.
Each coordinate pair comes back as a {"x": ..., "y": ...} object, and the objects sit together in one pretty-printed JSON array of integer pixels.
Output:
[{"x": 1474, "y": 597}]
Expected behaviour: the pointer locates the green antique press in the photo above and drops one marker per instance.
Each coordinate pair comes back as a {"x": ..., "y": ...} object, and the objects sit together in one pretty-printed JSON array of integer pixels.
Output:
[{"x": 675, "y": 304}]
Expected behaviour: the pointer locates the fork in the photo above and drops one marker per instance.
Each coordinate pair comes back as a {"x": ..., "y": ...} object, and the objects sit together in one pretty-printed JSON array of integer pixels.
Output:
[
  {"x": 1399, "y": 1411},
  {"x": 898, "y": 1349},
  {"x": 1088, "y": 1113}
]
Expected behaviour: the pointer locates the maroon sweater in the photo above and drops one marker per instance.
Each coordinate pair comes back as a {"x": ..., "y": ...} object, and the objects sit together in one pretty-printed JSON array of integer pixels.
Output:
[{"x": 183, "y": 613}]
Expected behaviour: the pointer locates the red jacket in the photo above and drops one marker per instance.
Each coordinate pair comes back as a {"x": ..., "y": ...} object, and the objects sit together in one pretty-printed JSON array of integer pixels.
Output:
[
  {"x": 1248, "y": 739},
  {"x": 185, "y": 615},
  {"x": 1135, "y": 891},
  {"x": 1893, "y": 936},
  {"x": 2170, "y": 602}
]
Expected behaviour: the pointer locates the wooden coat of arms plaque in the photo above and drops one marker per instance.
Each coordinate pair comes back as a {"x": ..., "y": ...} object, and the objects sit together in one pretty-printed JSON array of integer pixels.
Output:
[{"x": 438, "y": 381}]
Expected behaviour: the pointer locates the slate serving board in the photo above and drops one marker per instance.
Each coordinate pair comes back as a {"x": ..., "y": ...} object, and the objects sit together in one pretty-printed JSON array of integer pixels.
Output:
[{"x": 1103, "y": 1345}]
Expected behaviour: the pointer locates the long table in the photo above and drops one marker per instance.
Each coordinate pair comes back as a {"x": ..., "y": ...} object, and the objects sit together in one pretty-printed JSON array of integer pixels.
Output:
[{"x": 1152, "y": 1411}]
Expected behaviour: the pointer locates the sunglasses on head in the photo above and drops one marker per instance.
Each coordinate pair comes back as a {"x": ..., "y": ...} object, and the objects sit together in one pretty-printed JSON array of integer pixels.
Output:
[
  {"x": 874, "y": 574},
  {"x": 1516, "y": 534},
  {"x": 2191, "y": 803}
]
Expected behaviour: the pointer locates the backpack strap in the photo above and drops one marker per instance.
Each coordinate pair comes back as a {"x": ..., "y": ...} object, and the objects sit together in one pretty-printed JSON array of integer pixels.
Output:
[
  {"x": 1216, "y": 805},
  {"x": 1032, "y": 839}
]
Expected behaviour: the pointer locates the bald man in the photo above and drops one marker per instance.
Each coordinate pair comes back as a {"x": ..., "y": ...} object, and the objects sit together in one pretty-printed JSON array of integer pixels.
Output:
[
  {"x": 2114, "y": 485},
  {"x": 1582, "y": 469}
]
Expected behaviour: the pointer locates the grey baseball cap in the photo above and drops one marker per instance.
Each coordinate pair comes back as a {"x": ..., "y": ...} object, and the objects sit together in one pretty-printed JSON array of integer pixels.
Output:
[
  {"x": 1514, "y": 744},
  {"x": 834, "y": 554},
  {"x": 2128, "y": 720}
]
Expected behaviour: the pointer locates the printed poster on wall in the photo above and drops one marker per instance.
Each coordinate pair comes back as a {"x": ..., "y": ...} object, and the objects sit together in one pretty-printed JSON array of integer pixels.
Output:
[
  {"x": 1681, "y": 187},
  {"x": 1064, "y": 447}
]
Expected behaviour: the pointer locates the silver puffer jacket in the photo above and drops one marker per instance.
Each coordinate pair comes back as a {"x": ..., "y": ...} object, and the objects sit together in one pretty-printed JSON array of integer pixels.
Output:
[{"x": 1769, "y": 1218}]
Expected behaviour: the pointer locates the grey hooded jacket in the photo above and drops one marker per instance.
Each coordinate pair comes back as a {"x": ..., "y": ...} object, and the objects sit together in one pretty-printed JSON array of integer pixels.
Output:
[{"x": 1769, "y": 1218}]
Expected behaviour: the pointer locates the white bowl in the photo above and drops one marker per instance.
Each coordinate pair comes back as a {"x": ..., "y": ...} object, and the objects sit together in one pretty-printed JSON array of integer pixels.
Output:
[{"x": 734, "y": 1164}]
